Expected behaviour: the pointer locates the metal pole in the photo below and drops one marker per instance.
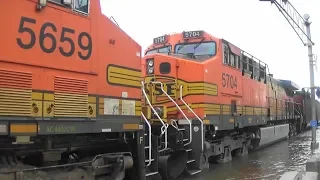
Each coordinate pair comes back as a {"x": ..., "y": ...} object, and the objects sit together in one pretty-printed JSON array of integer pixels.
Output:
[{"x": 314, "y": 143}]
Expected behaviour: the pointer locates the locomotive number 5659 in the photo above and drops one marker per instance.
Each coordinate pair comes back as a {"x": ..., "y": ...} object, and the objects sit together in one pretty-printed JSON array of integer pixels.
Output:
[{"x": 65, "y": 32}]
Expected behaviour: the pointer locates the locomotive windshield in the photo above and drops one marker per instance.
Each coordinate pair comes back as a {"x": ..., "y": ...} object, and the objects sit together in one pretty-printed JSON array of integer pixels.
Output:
[
  {"x": 198, "y": 50},
  {"x": 164, "y": 49}
]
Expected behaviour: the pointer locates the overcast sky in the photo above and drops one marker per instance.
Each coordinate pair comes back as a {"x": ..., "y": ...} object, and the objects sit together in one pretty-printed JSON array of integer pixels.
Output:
[{"x": 254, "y": 26}]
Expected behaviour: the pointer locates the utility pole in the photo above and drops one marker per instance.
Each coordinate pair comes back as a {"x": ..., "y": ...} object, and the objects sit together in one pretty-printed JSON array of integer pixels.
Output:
[
  {"x": 314, "y": 144},
  {"x": 301, "y": 26}
]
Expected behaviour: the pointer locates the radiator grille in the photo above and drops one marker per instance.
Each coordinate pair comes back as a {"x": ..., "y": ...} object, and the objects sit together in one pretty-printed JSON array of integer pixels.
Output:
[
  {"x": 15, "y": 93},
  {"x": 70, "y": 97}
]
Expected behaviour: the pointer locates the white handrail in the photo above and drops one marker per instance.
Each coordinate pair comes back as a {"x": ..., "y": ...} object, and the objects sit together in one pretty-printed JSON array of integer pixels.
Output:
[
  {"x": 165, "y": 137},
  {"x": 154, "y": 111},
  {"x": 149, "y": 134},
  {"x": 190, "y": 126},
  {"x": 201, "y": 122},
  {"x": 174, "y": 124},
  {"x": 164, "y": 126}
]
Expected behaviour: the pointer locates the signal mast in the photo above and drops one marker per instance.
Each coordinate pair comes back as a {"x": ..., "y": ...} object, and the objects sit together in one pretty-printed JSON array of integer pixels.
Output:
[{"x": 301, "y": 26}]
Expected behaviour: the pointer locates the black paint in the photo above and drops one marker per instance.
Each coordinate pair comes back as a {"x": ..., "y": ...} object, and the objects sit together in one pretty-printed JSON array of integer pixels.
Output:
[
  {"x": 43, "y": 35},
  {"x": 23, "y": 29},
  {"x": 88, "y": 47},
  {"x": 64, "y": 38}
]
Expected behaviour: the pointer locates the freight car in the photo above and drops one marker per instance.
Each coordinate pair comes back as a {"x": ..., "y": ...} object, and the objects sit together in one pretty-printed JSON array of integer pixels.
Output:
[
  {"x": 70, "y": 95},
  {"x": 303, "y": 97},
  {"x": 206, "y": 100}
]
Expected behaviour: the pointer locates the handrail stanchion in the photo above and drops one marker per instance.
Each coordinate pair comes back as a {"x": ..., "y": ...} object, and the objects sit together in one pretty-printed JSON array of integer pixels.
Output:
[
  {"x": 164, "y": 125},
  {"x": 184, "y": 115},
  {"x": 190, "y": 109}
]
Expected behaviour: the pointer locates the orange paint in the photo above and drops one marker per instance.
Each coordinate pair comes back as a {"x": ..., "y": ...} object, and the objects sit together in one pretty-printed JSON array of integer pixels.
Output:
[{"x": 110, "y": 45}]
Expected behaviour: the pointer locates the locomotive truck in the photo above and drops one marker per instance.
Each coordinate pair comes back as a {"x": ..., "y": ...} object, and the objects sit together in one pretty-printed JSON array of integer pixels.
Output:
[
  {"x": 77, "y": 101},
  {"x": 208, "y": 100}
]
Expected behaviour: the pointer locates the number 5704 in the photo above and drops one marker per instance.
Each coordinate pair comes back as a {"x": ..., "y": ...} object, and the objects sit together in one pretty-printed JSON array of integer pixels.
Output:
[{"x": 229, "y": 81}]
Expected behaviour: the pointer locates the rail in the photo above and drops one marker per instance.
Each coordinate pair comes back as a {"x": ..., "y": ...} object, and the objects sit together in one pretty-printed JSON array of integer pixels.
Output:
[
  {"x": 184, "y": 115},
  {"x": 190, "y": 109},
  {"x": 164, "y": 125},
  {"x": 150, "y": 142}
]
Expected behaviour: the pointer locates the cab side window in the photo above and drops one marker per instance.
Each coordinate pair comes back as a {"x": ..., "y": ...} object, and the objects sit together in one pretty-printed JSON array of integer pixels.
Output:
[
  {"x": 225, "y": 54},
  {"x": 82, "y": 6},
  {"x": 230, "y": 58}
]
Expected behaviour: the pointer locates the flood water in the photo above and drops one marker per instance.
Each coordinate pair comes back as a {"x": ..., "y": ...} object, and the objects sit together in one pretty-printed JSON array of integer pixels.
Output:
[{"x": 265, "y": 164}]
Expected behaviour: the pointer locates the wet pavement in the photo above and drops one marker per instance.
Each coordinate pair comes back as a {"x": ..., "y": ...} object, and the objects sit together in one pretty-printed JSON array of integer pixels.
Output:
[{"x": 265, "y": 164}]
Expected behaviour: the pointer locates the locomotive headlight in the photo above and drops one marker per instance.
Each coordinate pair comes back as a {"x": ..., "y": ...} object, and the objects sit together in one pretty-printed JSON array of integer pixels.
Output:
[
  {"x": 150, "y": 63},
  {"x": 150, "y": 70},
  {"x": 150, "y": 66},
  {"x": 159, "y": 110}
]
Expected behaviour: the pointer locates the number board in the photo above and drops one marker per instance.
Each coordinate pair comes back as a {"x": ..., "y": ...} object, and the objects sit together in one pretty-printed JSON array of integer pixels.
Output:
[
  {"x": 160, "y": 40},
  {"x": 192, "y": 34}
]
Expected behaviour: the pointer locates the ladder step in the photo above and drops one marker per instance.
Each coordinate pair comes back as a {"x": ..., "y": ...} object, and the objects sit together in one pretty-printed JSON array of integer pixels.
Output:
[
  {"x": 181, "y": 129},
  {"x": 188, "y": 150},
  {"x": 193, "y": 172},
  {"x": 146, "y": 147},
  {"x": 151, "y": 174},
  {"x": 190, "y": 161},
  {"x": 146, "y": 134}
]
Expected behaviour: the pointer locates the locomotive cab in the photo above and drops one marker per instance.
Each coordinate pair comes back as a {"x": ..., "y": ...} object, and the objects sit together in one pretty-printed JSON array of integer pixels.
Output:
[{"x": 177, "y": 59}]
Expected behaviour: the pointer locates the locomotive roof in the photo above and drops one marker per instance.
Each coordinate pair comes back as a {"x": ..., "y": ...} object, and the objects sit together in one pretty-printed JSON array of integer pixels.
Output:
[{"x": 289, "y": 84}]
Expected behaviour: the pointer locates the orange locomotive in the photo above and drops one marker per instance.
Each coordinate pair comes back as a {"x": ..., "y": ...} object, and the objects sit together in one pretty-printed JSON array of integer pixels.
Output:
[
  {"x": 206, "y": 99},
  {"x": 69, "y": 92}
]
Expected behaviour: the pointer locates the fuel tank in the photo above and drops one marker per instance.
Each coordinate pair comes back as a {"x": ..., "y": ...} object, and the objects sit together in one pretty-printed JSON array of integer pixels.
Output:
[{"x": 272, "y": 134}]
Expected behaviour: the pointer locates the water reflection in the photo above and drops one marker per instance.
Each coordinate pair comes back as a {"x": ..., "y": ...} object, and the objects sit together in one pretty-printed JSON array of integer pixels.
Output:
[{"x": 266, "y": 164}]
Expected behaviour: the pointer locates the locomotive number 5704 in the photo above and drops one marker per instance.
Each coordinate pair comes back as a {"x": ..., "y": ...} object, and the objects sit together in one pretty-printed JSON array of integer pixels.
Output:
[{"x": 229, "y": 81}]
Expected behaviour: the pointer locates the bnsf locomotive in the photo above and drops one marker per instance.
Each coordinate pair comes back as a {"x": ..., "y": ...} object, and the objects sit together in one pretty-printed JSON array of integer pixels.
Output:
[
  {"x": 207, "y": 100},
  {"x": 70, "y": 93},
  {"x": 77, "y": 103}
]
